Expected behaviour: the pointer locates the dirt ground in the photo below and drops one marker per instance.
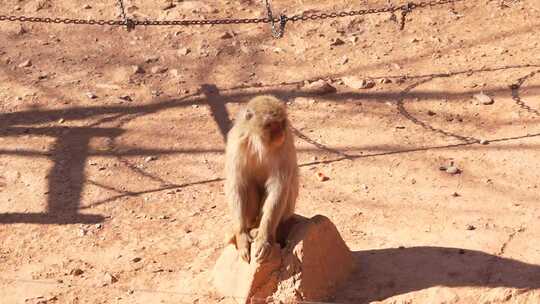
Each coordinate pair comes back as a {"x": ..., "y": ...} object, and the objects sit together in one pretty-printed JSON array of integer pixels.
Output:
[{"x": 111, "y": 147}]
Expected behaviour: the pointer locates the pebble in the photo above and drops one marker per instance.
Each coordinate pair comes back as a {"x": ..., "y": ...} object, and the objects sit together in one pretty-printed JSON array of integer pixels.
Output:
[
  {"x": 137, "y": 69},
  {"x": 151, "y": 59},
  {"x": 337, "y": 42},
  {"x": 87, "y": 6},
  {"x": 25, "y": 64},
  {"x": 91, "y": 95},
  {"x": 226, "y": 35},
  {"x": 357, "y": 83},
  {"x": 483, "y": 99},
  {"x": 125, "y": 97},
  {"x": 471, "y": 227},
  {"x": 82, "y": 232},
  {"x": 320, "y": 87},
  {"x": 109, "y": 279},
  {"x": 76, "y": 272},
  {"x": 168, "y": 6},
  {"x": 98, "y": 226},
  {"x": 150, "y": 158},
  {"x": 452, "y": 170},
  {"x": 159, "y": 69},
  {"x": 136, "y": 260},
  {"x": 183, "y": 51},
  {"x": 321, "y": 177},
  {"x": 484, "y": 142}
]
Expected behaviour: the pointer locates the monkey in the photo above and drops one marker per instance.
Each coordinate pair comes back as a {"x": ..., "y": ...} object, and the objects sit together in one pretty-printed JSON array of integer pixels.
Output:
[{"x": 261, "y": 175}]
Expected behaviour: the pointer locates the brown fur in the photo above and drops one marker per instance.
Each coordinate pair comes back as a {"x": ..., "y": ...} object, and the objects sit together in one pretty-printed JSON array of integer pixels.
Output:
[{"x": 261, "y": 170}]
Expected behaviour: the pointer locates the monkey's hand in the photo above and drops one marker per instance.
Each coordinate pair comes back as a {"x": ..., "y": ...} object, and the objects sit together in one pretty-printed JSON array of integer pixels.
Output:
[
  {"x": 242, "y": 245},
  {"x": 261, "y": 248}
]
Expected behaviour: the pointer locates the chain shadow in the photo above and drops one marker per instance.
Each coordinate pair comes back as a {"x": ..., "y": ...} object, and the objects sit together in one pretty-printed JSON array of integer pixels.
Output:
[{"x": 384, "y": 273}]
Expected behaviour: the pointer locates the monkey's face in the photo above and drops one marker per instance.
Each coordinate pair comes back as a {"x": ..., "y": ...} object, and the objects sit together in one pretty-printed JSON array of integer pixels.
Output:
[{"x": 268, "y": 121}]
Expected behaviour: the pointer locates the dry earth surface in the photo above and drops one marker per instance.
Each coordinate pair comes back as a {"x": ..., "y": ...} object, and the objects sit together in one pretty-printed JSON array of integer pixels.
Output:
[{"x": 111, "y": 147}]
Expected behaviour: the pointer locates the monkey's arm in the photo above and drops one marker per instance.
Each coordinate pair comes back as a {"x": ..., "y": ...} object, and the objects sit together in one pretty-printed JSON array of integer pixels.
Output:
[{"x": 273, "y": 208}]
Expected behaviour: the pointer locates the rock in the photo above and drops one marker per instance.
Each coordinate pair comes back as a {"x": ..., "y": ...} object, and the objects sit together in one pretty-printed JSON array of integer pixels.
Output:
[
  {"x": 91, "y": 95},
  {"x": 87, "y": 6},
  {"x": 312, "y": 264},
  {"x": 483, "y": 98},
  {"x": 150, "y": 158},
  {"x": 183, "y": 51},
  {"x": 125, "y": 97},
  {"x": 226, "y": 35},
  {"x": 25, "y": 64},
  {"x": 337, "y": 42},
  {"x": 159, "y": 69},
  {"x": 137, "y": 69},
  {"x": 319, "y": 87},
  {"x": 136, "y": 259},
  {"x": 322, "y": 177},
  {"x": 76, "y": 272},
  {"x": 108, "y": 279},
  {"x": 98, "y": 226},
  {"x": 356, "y": 83},
  {"x": 168, "y": 6},
  {"x": 150, "y": 59},
  {"x": 471, "y": 227},
  {"x": 452, "y": 170}
]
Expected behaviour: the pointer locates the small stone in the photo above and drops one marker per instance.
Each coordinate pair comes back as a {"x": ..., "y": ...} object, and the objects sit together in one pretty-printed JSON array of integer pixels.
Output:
[
  {"x": 150, "y": 158},
  {"x": 87, "y": 6},
  {"x": 61, "y": 120},
  {"x": 483, "y": 142},
  {"x": 159, "y": 69},
  {"x": 137, "y": 69},
  {"x": 91, "y": 95},
  {"x": 471, "y": 227},
  {"x": 226, "y": 35},
  {"x": 109, "y": 279},
  {"x": 151, "y": 59},
  {"x": 357, "y": 83},
  {"x": 385, "y": 80},
  {"x": 321, "y": 177},
  {"x": 337, "y": 42},
  {"x": 320, "y": 87},
  {"x": 452, "y": 170},
  {"x": 431, "y": 113},
  {"x": 76, "y": 272},
  {"x": 455, "y": 194},
  {"x": 136, "y": 260},
  {"x": 183, "y": 51},
  {"x": 82, "y": 232},
  {"x": 168, "y": 6},
  {"x": 483, "y": 99},
  {"x": 98, "y": 226},
  {"x": 25, "y": 64},
  {"x": 125, "y": 97}
]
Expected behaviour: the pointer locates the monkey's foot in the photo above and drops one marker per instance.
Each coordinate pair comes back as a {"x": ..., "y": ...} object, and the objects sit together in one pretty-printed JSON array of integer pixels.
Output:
[{"x": 262, "y": 249}]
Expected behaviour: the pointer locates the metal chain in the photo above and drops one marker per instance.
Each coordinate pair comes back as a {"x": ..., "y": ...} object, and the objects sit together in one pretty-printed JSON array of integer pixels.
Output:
[
  {"x": 276, "y": 32},
  {"x": 282, "y": 19},
  {"x": 129, "y": 23}
]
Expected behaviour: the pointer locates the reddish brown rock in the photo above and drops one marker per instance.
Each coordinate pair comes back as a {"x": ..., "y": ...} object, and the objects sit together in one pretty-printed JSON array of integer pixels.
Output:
[{"x": 312, "y": 264}]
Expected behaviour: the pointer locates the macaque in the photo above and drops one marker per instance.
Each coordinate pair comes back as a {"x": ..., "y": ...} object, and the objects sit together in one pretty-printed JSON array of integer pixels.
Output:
[{"x": 261, "y": 172}]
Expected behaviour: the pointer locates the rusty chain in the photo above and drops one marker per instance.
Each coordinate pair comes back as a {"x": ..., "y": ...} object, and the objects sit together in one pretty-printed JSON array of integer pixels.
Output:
[{"x": 281, "y": 20}]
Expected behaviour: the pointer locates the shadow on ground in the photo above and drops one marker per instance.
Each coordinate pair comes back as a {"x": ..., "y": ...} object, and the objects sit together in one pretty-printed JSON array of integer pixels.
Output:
[{"x": 384, "y": 273}]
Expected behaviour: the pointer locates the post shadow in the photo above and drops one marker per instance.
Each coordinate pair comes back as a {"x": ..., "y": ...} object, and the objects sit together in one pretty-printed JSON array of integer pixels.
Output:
[
  {"x": 66, "y": 178},
  {"x": 384, "y": 273},
  {"x": 217, "y": 108}
]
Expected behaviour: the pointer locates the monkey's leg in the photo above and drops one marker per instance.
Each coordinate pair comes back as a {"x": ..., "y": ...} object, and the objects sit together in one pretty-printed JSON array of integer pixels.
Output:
[{"x": 273, "y": 208}]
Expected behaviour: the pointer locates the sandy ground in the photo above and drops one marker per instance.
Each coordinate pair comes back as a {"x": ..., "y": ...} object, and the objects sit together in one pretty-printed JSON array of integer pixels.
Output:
[{"x": 111, "y": 185}]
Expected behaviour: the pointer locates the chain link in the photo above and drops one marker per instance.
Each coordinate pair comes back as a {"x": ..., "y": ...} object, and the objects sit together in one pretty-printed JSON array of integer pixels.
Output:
[{"x": 281, "y": 20}]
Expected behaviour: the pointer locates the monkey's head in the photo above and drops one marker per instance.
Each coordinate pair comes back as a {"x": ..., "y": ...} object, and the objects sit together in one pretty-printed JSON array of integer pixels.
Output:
[{"x": 266, "y": 118}]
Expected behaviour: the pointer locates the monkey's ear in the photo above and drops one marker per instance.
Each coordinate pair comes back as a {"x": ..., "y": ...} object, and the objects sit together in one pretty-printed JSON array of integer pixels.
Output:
[{"x": 248, "y": 114}]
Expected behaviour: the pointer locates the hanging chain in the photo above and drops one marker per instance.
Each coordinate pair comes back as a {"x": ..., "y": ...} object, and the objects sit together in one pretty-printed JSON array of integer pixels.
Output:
[{"x": 278, "y": 24}]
